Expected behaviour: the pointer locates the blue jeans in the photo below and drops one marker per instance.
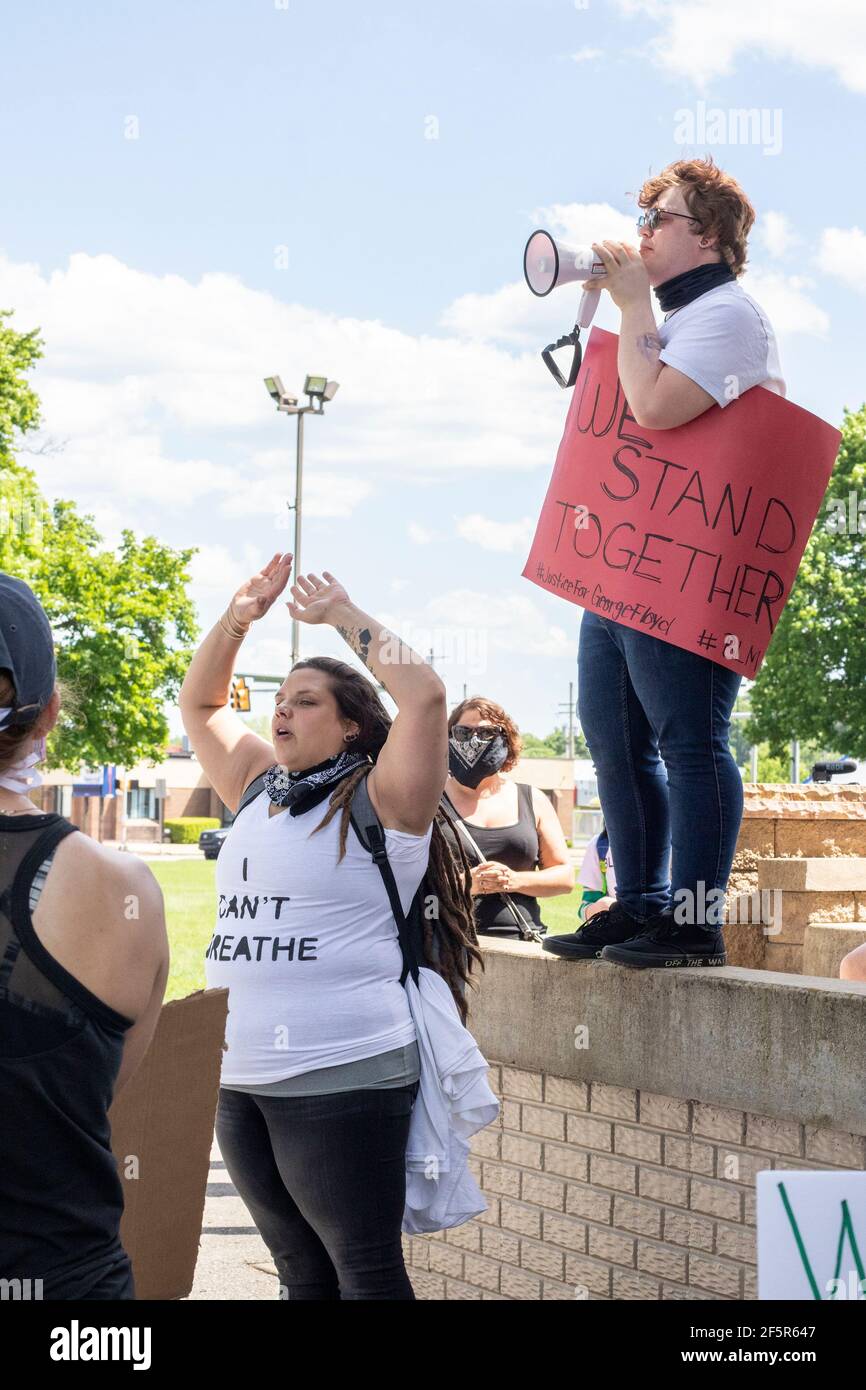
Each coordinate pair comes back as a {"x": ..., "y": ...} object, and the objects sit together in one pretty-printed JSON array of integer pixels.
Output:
[
  {"x": 324, "y": 1178},
  {"x": 656, "y": 719}
]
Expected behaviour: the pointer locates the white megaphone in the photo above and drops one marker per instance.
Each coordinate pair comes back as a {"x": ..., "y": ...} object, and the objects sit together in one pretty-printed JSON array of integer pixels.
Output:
[{"x": 548, "y": 263}]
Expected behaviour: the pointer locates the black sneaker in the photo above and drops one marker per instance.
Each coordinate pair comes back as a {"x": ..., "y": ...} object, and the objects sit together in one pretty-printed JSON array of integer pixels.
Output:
[
  {"x": 602, "y": 929},
  {"x": 664, "y": 943}
]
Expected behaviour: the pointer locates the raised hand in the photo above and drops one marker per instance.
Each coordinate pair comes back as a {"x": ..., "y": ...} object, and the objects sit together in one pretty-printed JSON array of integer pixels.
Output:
[
  {"x": 258, "y": 594},
  {"x": 315, "y": 599}
]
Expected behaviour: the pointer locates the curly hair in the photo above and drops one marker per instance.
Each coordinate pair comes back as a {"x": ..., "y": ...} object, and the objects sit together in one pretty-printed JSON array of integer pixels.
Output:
[
  {"x": 488, "y": 709},
  {"x": 450, "y": 941},
  {"x": 714, "y": 198}
]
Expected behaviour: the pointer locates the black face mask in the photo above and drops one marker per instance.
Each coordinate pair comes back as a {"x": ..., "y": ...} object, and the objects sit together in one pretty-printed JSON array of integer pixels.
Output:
[
  {"x": 469, "y": 763},
  {"x": 691, "y": 284}
]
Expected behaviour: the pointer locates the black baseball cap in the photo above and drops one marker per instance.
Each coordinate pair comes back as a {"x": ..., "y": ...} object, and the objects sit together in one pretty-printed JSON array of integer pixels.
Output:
[{"x": 26, "y": 652}]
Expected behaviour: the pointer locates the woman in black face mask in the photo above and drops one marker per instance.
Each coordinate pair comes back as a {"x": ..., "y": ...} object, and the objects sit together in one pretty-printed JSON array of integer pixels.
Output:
[{"x": 513, "y": 824}]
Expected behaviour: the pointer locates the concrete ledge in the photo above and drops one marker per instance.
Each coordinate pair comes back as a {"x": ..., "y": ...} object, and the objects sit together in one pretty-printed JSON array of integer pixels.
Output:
[{"x": 785, "y": 1046}]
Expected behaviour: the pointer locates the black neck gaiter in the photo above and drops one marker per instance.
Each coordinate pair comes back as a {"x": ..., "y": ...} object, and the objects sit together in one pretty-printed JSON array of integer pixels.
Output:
[{"x": 682, "y": 289}]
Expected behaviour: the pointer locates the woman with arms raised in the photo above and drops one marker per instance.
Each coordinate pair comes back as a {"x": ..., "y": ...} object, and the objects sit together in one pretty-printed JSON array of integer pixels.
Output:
[{"x": 321, "y": 1067}]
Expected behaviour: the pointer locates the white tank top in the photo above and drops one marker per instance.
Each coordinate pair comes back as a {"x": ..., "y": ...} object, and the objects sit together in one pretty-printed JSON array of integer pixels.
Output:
[{"x": 307, "y": 946}]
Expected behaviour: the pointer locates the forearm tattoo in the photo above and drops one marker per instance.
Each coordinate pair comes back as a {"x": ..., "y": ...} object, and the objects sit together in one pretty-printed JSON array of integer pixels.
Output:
[
  {"x": 650, "y": 345},
  {"x": 359, "y": 640}
]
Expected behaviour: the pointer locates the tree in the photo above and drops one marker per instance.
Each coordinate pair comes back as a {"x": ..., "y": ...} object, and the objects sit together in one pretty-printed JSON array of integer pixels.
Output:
[
  {"x": 19, "y": 403},
  {"x": 553, "y": 746},
  {"x": 812, "y": 685},
  {"x": 122, "y": 621}
]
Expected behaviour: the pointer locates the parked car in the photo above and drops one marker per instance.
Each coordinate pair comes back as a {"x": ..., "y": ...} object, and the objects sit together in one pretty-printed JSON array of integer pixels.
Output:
[{"x": 210, "y": 842}]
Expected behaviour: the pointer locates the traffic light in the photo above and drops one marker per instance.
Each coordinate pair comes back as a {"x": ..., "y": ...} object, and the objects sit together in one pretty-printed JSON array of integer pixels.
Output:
[{"x": 240, "y": 698}]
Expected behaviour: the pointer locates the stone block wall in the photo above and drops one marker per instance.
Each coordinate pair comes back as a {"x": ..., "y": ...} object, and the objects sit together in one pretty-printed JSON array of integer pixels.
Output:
[
  {"x": 624, "y": 1167},
  {"x": 803, "y": 848}
]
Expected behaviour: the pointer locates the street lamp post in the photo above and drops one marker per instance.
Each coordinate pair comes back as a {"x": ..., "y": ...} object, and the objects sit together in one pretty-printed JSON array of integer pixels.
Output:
[{"x": 316, "y": 389}]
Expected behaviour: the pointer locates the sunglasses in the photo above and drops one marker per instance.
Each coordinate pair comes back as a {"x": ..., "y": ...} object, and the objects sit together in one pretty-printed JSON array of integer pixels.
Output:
[
  {"x": 653, "y": 218},
  {"x": 464, "y": 733}
]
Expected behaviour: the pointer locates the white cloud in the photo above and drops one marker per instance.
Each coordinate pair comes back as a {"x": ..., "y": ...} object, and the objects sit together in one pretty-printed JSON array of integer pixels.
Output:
[
  {"x": 421, "y": 535},
  {"x": 700, "y": 39},
  {"x": 587, "y": 222},
  {"x": 776, "y": 233},
  {"x": 508, "y": 315},
  {"x": 504, "y": 536},
  {"x": 467, "y": 629},
  {"x": 586, "y": 55},
  {"x": 842, "y": 254},
  {"x": 217, "y": 569},
  {"x": 156, "y": 383},
  {"x": 325, "y": 494}
]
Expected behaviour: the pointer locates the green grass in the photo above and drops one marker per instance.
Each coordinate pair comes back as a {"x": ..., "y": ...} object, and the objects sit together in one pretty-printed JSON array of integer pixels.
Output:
[
  {"x": 189, "y": 888},
  {"x": 560, "y": 913}
]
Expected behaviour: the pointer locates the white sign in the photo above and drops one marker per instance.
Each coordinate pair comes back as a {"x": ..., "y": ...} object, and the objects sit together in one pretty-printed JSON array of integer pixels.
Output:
[{"x": 812, "y": 1235}]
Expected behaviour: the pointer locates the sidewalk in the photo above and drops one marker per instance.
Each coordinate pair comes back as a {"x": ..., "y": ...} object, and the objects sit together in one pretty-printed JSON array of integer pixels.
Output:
[{"x": 233, "y": 1261}]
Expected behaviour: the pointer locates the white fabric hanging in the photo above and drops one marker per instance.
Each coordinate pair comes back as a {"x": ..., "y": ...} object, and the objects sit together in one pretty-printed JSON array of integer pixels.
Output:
[{"x": 454, "y": 1101}]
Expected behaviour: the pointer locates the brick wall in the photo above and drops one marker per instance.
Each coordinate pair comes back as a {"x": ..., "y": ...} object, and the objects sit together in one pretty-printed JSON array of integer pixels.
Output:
[
  {"x": 603, "y": 1190},
  {"x": 599, "y": 1191}
]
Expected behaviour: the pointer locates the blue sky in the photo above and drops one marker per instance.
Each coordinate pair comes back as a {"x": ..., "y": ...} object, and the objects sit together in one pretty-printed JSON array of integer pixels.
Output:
[{"x": 195, "y": 196}]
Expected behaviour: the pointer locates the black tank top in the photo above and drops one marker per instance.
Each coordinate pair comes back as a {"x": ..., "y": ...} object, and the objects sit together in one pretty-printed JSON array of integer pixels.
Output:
[
  {"x": 517, "y": 846},
  {"x": 61, "y": 1197}
]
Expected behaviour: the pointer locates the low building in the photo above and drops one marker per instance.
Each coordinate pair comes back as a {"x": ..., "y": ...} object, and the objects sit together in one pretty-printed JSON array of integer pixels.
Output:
[{"x": 133, "y": 812}]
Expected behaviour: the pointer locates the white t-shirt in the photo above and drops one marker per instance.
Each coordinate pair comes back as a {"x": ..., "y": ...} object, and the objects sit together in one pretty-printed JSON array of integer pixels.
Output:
[
  {"x": 307, "y": 946},
  {"x": 723, "y": 340}
]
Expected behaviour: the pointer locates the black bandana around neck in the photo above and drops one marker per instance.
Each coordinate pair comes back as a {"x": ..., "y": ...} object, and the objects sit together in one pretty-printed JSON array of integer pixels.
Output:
[
  {"x": 682, "y": 289},
  {"x": 303, "y": 790}
]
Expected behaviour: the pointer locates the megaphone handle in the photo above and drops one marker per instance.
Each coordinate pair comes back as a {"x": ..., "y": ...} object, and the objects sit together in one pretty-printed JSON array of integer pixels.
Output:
[
  {"x": 588, "y": 306},
  {"x": 571, "y": 339}
]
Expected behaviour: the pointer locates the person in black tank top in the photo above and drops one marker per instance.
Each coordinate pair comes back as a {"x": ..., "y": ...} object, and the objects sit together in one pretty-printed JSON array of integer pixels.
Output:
[
  {"x": 529, "y": 853},
  {"x": 60, "y": 1052},
  {"x": 63, "y": 1050},
  {"x": 516, "y": 846}
]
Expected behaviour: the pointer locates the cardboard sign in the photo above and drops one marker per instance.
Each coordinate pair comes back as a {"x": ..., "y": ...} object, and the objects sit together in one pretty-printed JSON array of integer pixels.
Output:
[
  {"x": 812, "y": 1235},
  {"x": 162, "y": 1126},
  {"x": 693, "y": 535}
]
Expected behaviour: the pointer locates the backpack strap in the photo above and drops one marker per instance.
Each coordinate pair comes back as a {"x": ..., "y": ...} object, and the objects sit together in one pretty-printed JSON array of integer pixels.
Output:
[
  {"x": 370, "y": 832},
  {"x": 251, "y": 793}
]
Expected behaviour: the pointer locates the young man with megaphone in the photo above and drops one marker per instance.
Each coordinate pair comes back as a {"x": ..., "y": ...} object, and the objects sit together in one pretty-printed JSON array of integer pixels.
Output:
[{"x": 656, "y": 717}]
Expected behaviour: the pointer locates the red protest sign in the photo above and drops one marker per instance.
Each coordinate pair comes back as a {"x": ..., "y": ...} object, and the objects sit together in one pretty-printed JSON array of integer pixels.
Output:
[{"x": 693, "y": 535}]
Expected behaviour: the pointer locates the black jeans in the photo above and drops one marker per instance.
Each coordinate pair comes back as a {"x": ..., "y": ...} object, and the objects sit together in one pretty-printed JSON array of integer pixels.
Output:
[
  {"x": 324, "y": 1178},
  {"x": 117, "y": 1283}
]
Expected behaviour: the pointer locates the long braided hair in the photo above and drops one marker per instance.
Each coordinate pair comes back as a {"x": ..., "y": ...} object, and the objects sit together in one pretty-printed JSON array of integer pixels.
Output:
[{"x": 450, "y": 941}]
